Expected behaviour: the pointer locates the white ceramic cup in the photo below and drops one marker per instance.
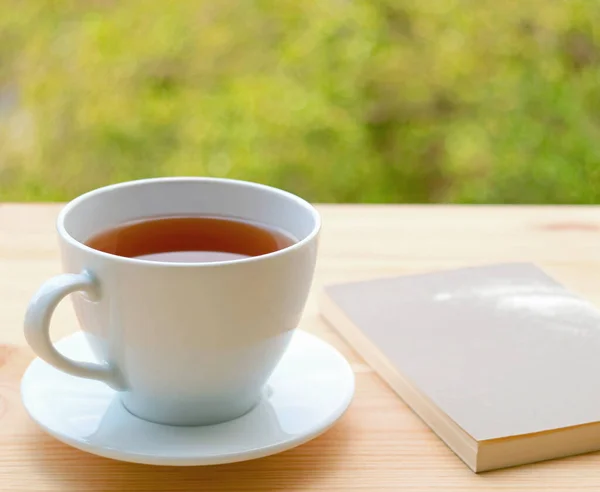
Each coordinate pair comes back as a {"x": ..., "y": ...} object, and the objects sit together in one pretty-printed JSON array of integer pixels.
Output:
[{"x": 183, "y": 343}]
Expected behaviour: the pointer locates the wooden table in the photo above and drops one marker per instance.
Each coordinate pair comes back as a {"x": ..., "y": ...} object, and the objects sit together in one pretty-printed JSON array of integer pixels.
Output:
[{"x": 379, "y": 444}]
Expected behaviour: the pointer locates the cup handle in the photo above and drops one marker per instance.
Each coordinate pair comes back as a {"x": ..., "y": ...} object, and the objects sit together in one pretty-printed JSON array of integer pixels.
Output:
[{"x": 37, "y": 327}]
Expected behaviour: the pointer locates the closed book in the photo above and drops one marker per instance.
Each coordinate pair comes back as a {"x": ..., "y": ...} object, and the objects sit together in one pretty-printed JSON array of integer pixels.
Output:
[{"x": 502, "y": 362}]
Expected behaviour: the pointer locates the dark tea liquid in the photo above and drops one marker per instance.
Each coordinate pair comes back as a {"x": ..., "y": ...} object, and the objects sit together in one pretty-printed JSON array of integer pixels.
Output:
[{"x": 190, "y": 239}]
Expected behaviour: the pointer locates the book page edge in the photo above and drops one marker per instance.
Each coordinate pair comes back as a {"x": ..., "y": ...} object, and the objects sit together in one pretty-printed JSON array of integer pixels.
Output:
[{"x": 509, "y": 451}]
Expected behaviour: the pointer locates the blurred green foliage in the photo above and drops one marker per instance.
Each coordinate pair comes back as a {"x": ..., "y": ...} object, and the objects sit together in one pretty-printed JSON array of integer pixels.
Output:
[{"x": 468, "y": 101}]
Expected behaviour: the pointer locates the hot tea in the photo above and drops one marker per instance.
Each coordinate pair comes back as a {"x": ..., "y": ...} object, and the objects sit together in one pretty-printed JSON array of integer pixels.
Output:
[{"x": 190, "y": 239}]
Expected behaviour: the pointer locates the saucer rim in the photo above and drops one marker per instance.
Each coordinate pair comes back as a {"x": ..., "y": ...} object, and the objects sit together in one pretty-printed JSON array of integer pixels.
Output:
[{"x": 116, "y": 453}]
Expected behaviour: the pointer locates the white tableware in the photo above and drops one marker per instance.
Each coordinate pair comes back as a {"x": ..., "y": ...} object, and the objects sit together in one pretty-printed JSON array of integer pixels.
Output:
[
  {"x": 183, "y": 343},
  {"x": 308, "y": 391}
]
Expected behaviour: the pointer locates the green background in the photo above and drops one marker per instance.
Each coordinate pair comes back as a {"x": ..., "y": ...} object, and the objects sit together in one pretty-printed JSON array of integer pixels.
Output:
[{"x": 466, "y": 101}]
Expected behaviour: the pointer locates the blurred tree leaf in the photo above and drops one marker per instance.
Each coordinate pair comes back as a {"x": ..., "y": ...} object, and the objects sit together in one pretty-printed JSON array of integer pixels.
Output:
[{"x": 365, "y": 101}]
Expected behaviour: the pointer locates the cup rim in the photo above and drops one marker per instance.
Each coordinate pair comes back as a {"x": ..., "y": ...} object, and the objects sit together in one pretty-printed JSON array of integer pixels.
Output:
[{"x": 62, "y": 231}]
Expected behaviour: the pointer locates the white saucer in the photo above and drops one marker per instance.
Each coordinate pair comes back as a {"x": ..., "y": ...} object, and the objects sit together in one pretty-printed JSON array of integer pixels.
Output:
[{"x": 308, "y": 392}]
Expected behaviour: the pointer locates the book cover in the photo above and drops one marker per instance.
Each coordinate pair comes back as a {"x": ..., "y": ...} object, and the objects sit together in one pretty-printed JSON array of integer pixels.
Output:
[{"x": 501, "y": 361}]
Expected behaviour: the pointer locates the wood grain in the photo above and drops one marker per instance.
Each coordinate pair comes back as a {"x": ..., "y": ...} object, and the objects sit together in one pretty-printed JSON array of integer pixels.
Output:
[{"x": 379, "y": 444}]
